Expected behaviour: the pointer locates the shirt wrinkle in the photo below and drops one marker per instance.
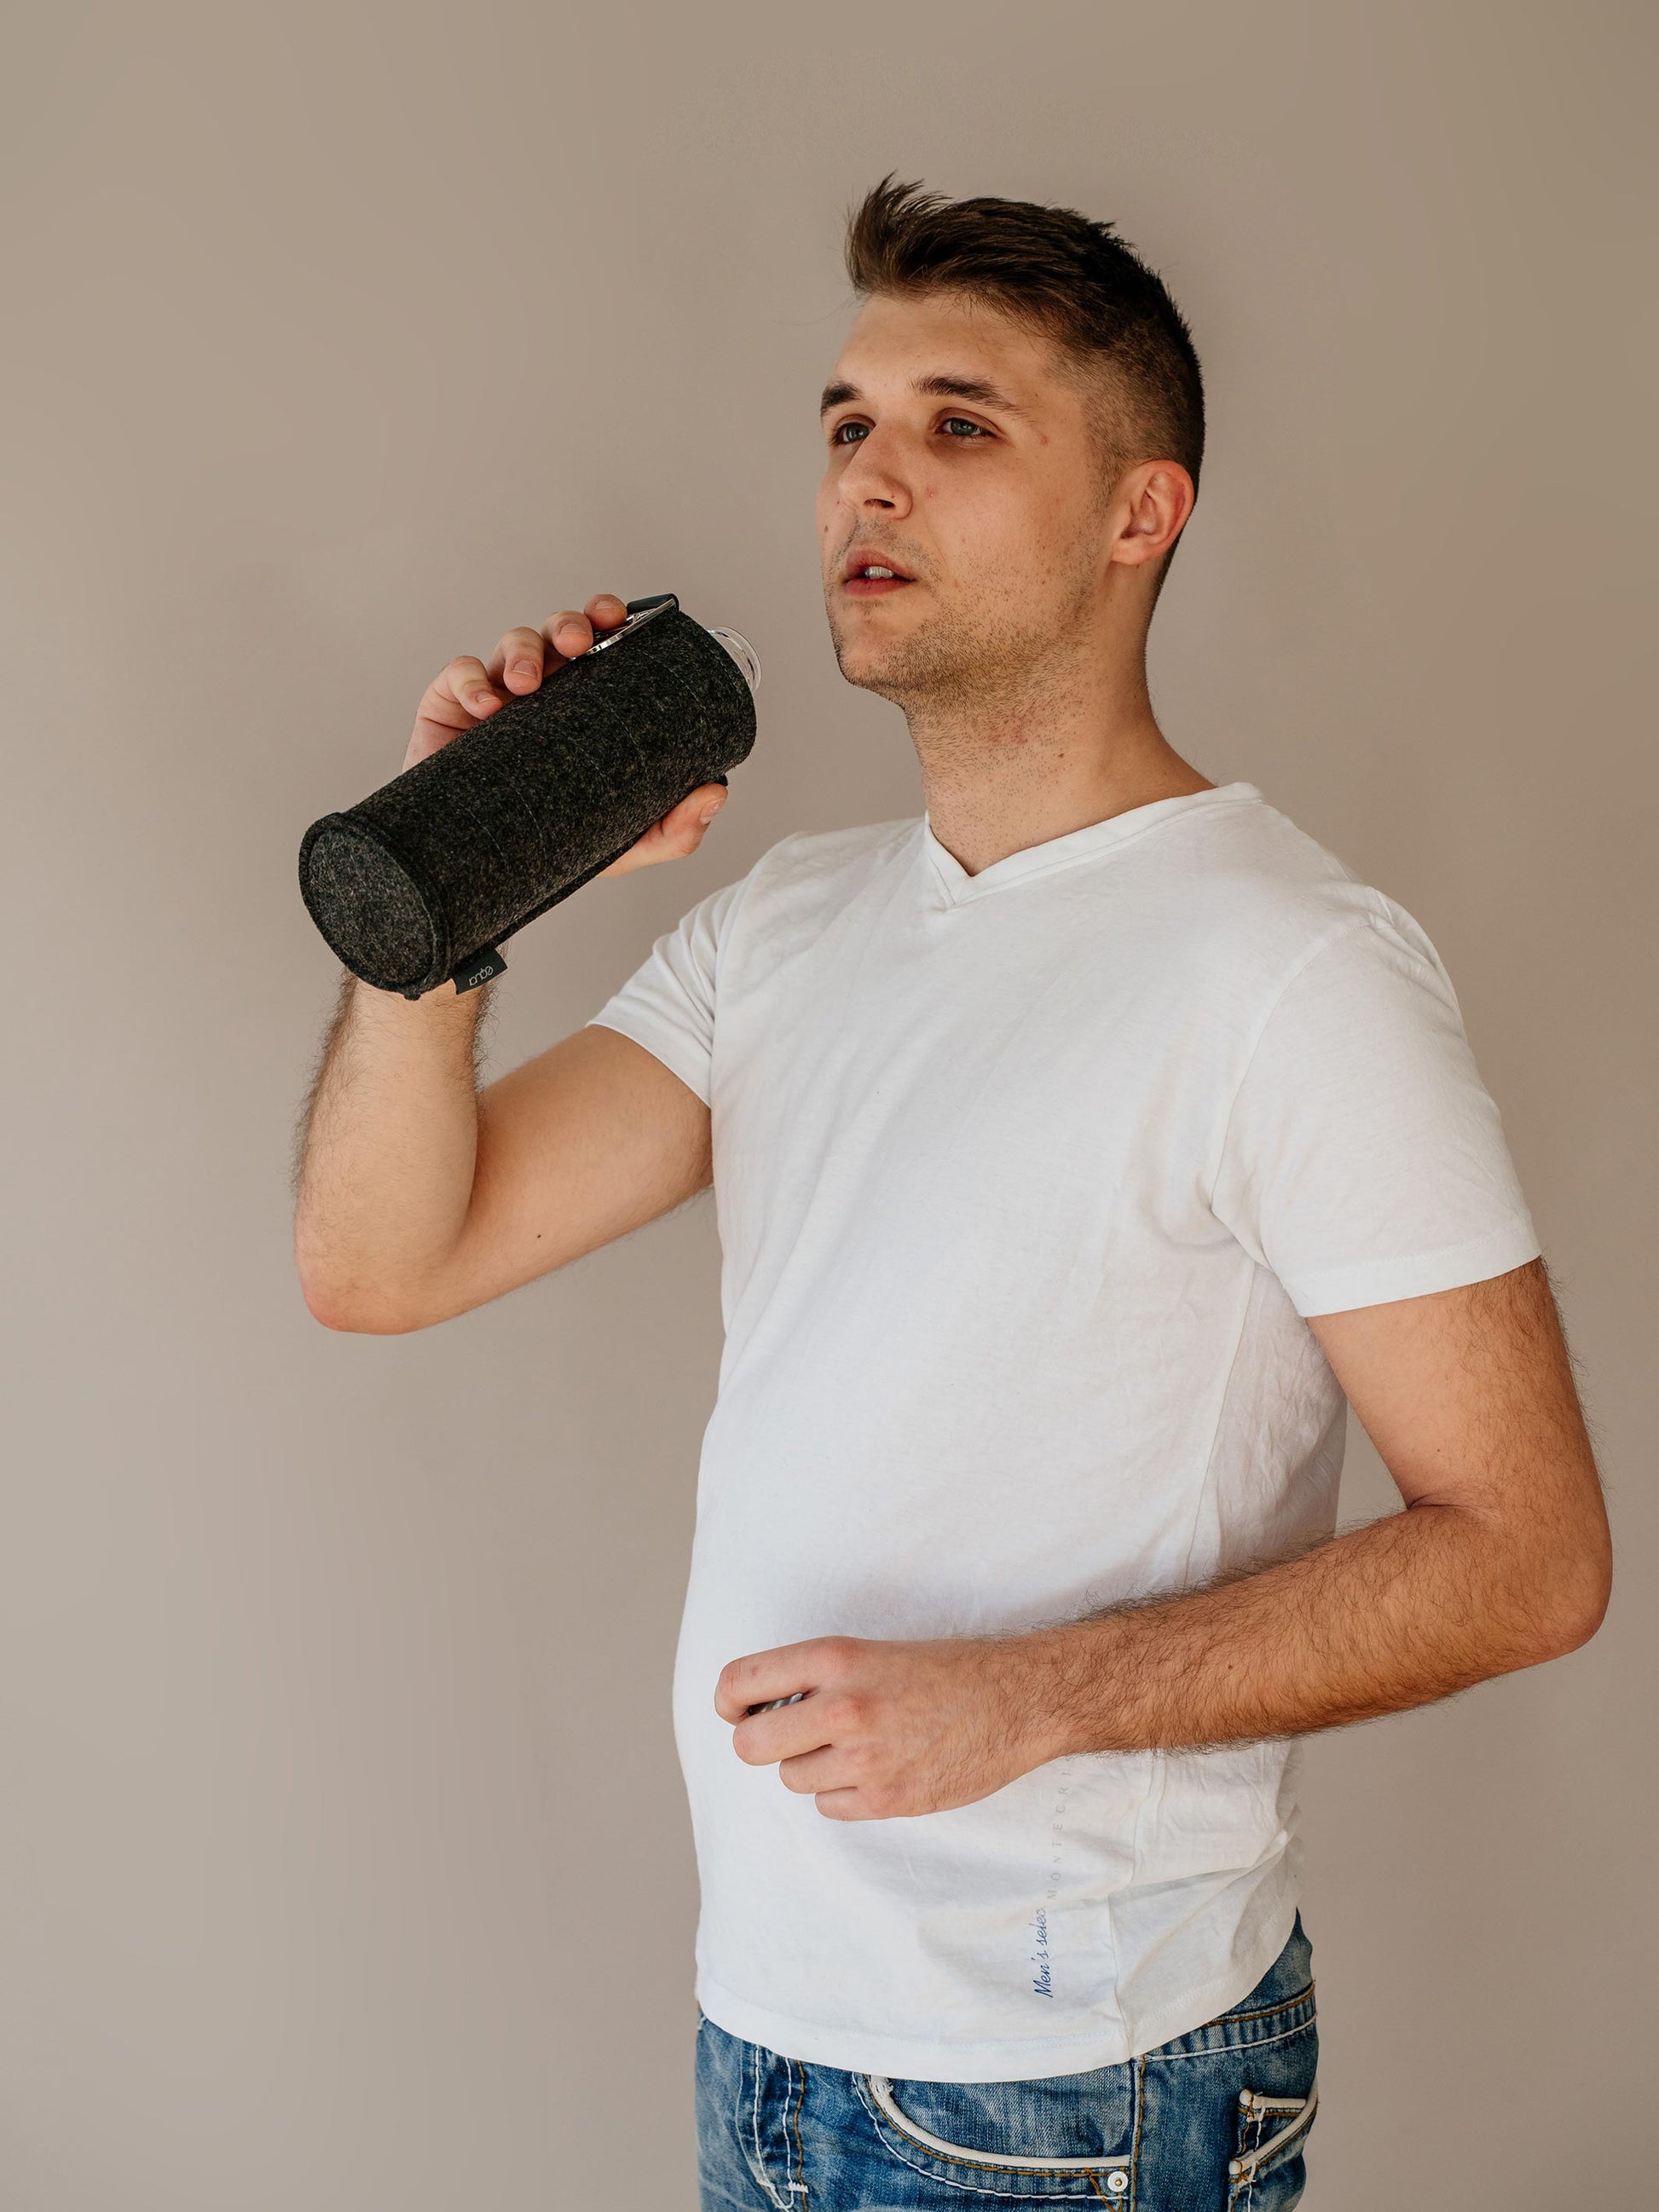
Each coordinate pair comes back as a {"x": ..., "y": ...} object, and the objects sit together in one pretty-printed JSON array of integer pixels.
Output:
[{"x": 1021, "y": 1213}]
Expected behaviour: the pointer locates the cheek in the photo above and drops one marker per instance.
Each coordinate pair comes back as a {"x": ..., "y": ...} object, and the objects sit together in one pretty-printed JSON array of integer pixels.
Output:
[
  {"x": 986, "y": 547},
  {"x": 988, "y": 523}
]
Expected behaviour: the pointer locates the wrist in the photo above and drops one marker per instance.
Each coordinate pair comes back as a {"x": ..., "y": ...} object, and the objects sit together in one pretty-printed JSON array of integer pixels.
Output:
[
  {"x": 1059, "y": 1690},
  {"x": 442, "y": 1002}
]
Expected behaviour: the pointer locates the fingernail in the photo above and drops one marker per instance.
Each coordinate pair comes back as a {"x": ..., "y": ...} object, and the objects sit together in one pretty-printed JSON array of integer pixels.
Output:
[
  {"x": 481, "y": 699},
  {"x": 709, "y": 812},
  {"x": 524, "y": 668}
]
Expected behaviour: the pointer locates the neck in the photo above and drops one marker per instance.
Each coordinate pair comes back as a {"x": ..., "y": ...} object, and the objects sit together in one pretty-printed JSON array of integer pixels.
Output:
[{"x": 1064, "y": 744}]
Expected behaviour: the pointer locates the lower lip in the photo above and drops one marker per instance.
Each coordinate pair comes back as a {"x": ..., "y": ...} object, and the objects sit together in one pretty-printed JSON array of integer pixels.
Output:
[{"x": 873, "y": 587}]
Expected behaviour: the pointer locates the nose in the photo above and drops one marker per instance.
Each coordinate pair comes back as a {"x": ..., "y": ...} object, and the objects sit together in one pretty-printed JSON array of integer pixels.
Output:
[{"x": 874, "y": 478}]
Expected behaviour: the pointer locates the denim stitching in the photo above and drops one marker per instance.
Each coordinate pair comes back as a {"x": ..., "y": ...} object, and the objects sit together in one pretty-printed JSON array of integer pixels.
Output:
[
  {"x": 1298, "y": 2134},
  {"x": 751, "y": 2067},
  {"x": 751, "y": 2057},
  {"x": 1247, "y": 2144},
  {"x": 961, "y": 2155},
  {"x": 801, "y": 2148},
  {"x": 782, "y": 2203},
  {"x": 1263, "y": 2012},
  {"x": 1257, "y": 2122},
  {"x": 979, "y": 2189},
  {"x": 1257, "y": 2043},
  {"x": 788, "y": 2153}
]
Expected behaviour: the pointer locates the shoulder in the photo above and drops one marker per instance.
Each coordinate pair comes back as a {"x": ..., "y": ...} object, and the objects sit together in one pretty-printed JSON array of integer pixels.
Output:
[{"x": 1266, "y": 898}]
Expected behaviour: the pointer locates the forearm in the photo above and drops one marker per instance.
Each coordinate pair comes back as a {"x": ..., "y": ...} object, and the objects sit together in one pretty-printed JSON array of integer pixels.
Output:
[
  {"x": 1502, "y": 1559},
  {"x": 388, "y": 1150},
  {"x": 1411, "y": 1608}
]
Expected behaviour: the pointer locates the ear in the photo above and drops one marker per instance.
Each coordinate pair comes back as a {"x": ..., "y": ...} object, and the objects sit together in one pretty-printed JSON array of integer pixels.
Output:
[{"x": 1151, "y": 502}]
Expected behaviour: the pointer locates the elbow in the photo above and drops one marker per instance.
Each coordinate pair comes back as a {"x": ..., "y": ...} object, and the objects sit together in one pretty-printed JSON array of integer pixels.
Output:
[
  {"x": 1576, "y": 1624},
  {"x": 351, "y": 1322},
  {"x": 354, "y": 1301},
  {"x": 351, "y": 1311},
  {"x": 1575, "y": 1603}
]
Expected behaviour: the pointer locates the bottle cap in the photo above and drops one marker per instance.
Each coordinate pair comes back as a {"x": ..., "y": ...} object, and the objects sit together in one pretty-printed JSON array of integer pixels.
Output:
[{"x": 742, "y": 652}]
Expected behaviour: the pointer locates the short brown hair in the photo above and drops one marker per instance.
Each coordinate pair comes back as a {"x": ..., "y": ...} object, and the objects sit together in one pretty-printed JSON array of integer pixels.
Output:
[{"x": 1066, "y": 275}]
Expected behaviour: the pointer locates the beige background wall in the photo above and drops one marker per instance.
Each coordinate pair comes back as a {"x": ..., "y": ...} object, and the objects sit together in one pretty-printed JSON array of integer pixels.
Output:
[{"x": 344, "y": 1861}]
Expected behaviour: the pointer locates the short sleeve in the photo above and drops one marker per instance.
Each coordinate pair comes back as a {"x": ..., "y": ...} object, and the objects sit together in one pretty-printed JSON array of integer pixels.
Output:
[
  {"x": 1364, "y": 1158},
  {"x": 667, "y": 1004}
]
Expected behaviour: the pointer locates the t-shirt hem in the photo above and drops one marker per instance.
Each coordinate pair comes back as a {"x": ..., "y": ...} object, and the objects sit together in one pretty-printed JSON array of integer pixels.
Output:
[
  {"x": 1225, "y": 1992},
  {"x": 679, "y": 1058},
  {"x": 1373, "y": 1283},
  {"x": 1010, "y": 2058}
]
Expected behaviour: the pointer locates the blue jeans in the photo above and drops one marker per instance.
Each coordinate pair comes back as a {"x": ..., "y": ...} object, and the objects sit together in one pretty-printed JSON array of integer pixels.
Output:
[{"x": 1215, "y": 2121}]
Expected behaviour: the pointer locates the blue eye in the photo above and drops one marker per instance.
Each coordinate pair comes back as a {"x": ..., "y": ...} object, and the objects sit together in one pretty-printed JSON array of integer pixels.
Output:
[{"x": 955, "y": 424}]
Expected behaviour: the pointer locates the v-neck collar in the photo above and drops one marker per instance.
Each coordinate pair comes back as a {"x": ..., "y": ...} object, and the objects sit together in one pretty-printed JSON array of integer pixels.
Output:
[{"x": 1092, "y": 840}]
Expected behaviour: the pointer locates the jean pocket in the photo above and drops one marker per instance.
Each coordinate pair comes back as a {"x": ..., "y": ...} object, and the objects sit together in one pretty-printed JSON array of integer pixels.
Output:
[
  {"x": 1266, "y": 2170},
  {"x": 999, "y": 2119}
]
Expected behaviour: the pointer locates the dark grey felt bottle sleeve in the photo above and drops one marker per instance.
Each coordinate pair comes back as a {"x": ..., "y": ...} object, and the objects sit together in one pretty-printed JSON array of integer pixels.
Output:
[{"x": 470, "y": 844}]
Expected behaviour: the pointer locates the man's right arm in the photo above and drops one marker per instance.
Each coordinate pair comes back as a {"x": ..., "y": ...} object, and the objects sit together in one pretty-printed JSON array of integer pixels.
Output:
[{"x": 417, "y": 1195}]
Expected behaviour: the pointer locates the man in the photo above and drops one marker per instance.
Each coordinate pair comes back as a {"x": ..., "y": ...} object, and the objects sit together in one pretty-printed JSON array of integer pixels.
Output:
[{"x": 1079, "y": 1147}]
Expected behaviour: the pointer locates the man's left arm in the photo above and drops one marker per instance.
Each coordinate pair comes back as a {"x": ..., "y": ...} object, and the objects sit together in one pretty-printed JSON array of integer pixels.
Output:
[{"x": 1501, "y": 1560}]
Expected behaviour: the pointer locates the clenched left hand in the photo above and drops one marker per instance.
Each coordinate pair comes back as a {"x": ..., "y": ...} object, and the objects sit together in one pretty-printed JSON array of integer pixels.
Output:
[{"x": 884, "y": 1729}]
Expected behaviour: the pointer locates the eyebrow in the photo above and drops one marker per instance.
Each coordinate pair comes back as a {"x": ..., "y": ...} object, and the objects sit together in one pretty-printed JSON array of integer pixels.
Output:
[{"x": 939, "y": 386}]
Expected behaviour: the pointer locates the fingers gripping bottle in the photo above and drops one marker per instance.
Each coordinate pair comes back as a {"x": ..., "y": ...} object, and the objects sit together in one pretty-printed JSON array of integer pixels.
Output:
[{"x": 421, "y": 881}]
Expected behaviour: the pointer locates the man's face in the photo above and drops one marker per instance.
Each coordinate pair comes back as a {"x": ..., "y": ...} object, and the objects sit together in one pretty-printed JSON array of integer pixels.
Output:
[{"x": 959, "y": 454}]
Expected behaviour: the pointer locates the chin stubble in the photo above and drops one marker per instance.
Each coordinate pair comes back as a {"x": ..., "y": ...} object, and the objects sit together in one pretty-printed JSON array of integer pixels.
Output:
[{"x": 958, "y": 661}]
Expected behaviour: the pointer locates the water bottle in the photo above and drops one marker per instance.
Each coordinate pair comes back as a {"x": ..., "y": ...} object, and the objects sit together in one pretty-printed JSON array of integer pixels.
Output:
[{"x": 420, "y": 882}]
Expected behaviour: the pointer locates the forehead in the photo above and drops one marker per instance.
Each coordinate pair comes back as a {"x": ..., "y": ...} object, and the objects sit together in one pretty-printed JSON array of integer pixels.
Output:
[{"x": 895, "y": 340}]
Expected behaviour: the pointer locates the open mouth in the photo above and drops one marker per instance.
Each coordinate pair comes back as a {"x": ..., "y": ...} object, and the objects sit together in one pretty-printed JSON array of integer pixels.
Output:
[{"x": 871, "y": 580}]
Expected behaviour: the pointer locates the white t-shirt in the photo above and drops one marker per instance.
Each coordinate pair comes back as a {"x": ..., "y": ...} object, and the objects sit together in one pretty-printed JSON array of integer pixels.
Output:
[{"x": 1025, "y": 1182}]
